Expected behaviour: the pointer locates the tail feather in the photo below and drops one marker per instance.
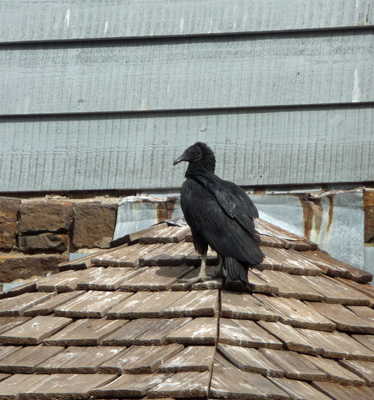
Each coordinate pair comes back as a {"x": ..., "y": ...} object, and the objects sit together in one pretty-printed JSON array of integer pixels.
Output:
[{"x": 236, "y": 271}]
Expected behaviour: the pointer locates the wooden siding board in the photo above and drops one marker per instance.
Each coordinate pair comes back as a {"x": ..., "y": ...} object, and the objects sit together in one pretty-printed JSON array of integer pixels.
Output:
[
  {"x": 57, "y": 20},
  {"x": 64, "y": 153},
  {"x": 170, "y": 74}
]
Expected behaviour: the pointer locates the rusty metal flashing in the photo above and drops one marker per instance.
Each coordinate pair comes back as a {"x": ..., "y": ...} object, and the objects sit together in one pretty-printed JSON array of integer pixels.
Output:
[{"x": 334, "y": 219}]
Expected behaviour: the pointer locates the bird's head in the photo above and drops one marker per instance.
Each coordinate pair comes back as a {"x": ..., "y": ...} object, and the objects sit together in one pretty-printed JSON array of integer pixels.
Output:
[{"x": 198, "y": 153}]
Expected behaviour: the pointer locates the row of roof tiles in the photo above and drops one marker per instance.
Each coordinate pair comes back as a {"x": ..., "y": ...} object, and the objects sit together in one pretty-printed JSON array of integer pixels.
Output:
[{"x": 120, "y": 324}]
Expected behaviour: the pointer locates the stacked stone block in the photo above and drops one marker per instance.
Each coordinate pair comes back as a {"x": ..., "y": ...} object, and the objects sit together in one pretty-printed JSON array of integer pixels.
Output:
[{"x": 38, "y": 234}]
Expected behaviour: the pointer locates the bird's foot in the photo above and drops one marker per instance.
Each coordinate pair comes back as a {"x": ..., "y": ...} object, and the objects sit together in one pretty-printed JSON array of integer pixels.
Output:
[{"x": 199, "y": 278}]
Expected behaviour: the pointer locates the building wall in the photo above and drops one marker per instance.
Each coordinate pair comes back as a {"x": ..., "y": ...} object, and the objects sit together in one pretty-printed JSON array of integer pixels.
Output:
[{"x": 103, "y": 95}]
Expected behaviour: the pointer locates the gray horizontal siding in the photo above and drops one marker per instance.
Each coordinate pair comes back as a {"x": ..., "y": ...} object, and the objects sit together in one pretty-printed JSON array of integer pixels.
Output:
[
  {"x": 45, "y": 20},
  {"x": 296, "y": 146},
  {"x": 220, "y": 72}
]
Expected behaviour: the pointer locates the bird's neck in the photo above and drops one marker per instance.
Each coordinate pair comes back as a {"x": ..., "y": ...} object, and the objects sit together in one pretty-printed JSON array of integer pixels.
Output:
[{"x": 200, "y": 167}]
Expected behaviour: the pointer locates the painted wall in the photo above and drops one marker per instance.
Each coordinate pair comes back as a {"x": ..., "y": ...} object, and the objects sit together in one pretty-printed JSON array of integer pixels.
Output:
[{"x": 99, "y": 95}]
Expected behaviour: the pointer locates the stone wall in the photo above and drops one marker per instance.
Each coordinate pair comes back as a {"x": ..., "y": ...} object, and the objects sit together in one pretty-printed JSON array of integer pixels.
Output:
[{"x": 37, "y": 234}]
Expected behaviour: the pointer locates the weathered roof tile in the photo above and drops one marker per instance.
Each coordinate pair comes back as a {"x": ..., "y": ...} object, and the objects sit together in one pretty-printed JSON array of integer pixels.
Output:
[
  {"x": 145, "y": 331},
  {"x": 250, "y": 360},
  {"x": 92, "y": 304},
  {"x": 100, "y": 278},
  {"x": 130, "y": 385},
  {"x": 7, "y": 323},
  {"x": 294, "y": 365},
  {"x": 62, "y": 386},
  {"x": 34, "y": 331},
  {"x": 291, "y": 337},
  {"x": 335, "y": 372},
  {"x": 27, "y": 358},
  {"x": 307, "y": 319},
  {"x": 246, "y": 333},
  {"x": 198, "y": 331},
  {"x": 298, "y": 314},
  {"x": 16, "y": 306},
  {"x": 299, "y": 389},
  {"x": 246, "y": 306},
  {"x": 141, "y": 359},
  {"x": 155, "y": 278},
  {"x": 191, "y": 358},
  {"x": 48, "y": 306},
  {"x": 342, "y": 392},
  {"x": 77, "y": 360},
  {"x": 183, "y": 384},
  {"x": 84, "y": 332},
  {"x": 338, "y": 345},
  {"x": 344, "y": 319},
  {"x": 364, "y": 369}
]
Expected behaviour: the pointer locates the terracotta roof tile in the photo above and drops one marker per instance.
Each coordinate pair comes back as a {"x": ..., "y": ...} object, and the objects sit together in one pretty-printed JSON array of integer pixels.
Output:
[{"x": 129, "y": 320}]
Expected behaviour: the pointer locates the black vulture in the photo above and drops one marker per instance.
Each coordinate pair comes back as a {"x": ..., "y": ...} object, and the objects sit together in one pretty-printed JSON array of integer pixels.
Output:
[{"x": 220, "y": 214}]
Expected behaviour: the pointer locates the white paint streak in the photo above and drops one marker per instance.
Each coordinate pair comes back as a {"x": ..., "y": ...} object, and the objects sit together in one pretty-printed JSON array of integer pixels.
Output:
[
  {"x": 181, "y": 24},
  {"x": 67, "y": 17},
  {"x": 106, "y": 27},
  {"x": 356, "y": 93}
]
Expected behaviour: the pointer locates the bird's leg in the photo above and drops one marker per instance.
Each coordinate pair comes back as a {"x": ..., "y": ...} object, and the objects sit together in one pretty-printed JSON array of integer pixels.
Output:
[
  {"x": 202, "y": 277},
  {"x": 219, "y": 272}
]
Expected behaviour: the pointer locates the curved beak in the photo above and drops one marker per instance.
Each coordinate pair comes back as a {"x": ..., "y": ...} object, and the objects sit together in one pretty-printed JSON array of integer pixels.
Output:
[{"x": 179, "y": 159}]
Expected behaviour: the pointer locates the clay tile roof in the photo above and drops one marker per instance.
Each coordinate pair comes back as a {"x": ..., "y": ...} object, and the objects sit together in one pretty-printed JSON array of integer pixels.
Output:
[{"x": 120, "y": 324}]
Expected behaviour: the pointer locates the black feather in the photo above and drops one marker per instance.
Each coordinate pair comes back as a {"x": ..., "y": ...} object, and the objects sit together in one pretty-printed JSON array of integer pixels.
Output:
[{"x": 219, "y": 213}]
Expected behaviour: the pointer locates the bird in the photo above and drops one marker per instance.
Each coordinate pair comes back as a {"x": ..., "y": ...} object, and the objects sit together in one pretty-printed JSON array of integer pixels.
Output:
[{"x": 221, "y": 215}]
